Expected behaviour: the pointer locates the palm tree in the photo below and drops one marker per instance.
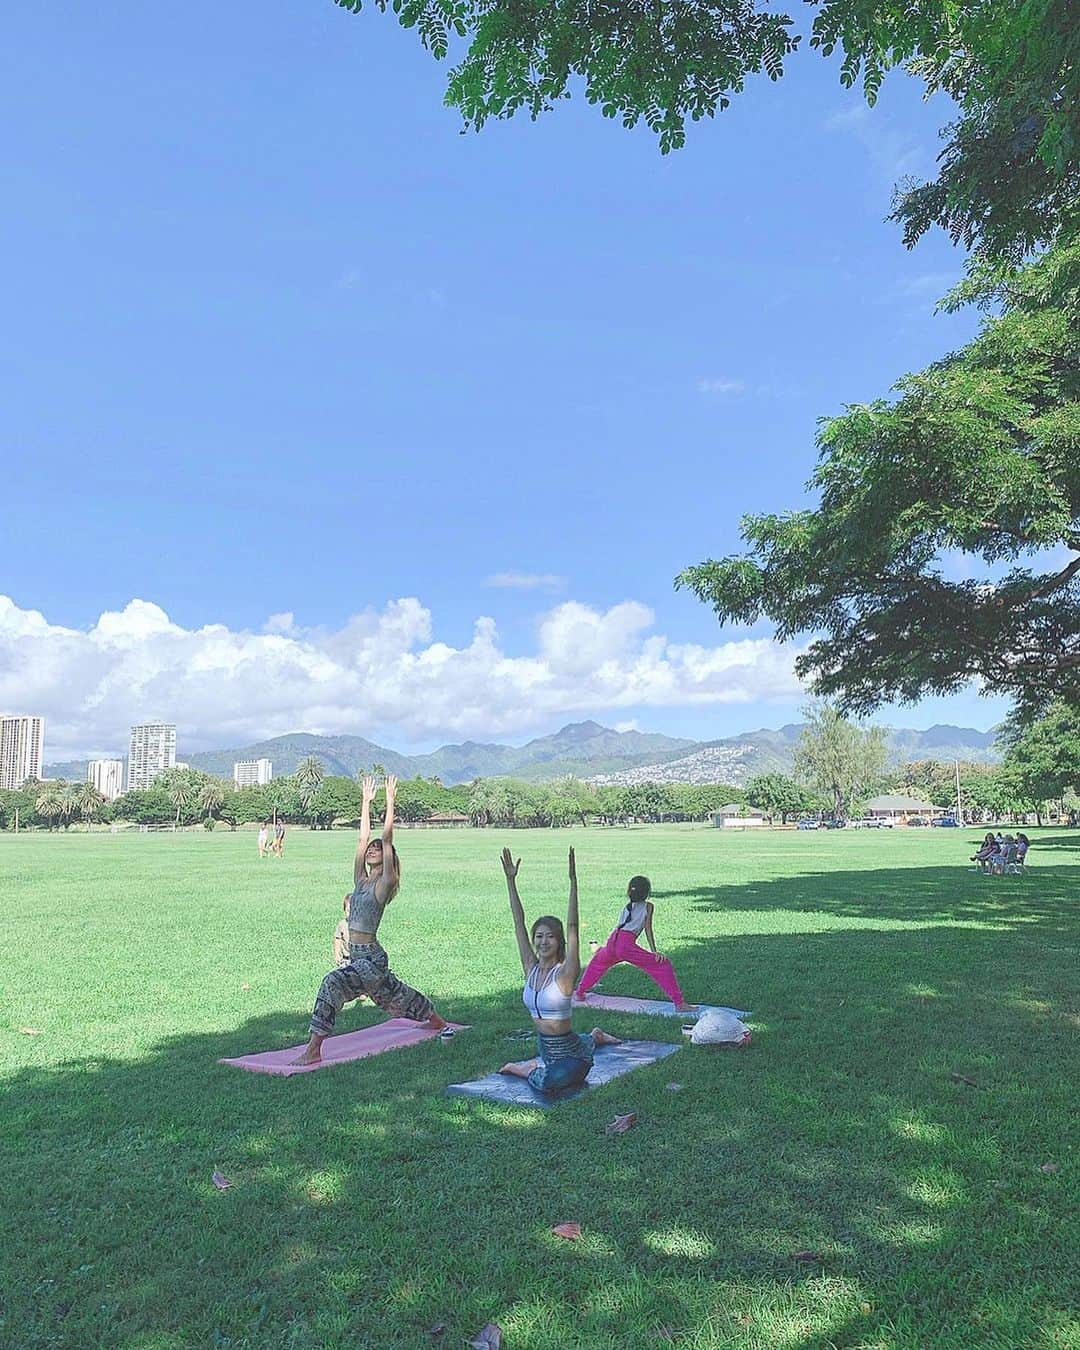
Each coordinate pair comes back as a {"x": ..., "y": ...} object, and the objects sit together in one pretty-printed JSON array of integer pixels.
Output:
[
  {"x": 69, "y": 803},
  {"x": 211, "y": 799},
  {"x": 48, "y": 805},
  {"x": 479, "y": 802},
  {"x": 90, "y": 800},
  {"x": 180, "y": 793},
  {"x": 309, "y": 775},
  {"x": 310, "y": 772}
]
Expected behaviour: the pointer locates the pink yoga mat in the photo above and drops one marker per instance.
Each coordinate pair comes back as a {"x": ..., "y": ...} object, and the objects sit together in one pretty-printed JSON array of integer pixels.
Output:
[{"x": 391, "y": 1035}]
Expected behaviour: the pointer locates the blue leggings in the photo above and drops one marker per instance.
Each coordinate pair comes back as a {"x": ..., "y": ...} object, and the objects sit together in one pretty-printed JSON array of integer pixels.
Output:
[{"x": 565, "y": 1062}]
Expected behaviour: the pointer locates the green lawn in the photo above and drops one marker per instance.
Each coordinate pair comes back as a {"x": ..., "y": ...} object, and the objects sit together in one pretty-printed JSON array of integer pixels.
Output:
[{"x": 367, "y": 1208}]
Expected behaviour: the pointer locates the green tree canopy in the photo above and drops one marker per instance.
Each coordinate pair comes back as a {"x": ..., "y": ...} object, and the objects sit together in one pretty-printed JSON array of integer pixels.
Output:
[
  {"x": 1010, "y": 164},
  {"x": 778, "y": 795},
  {"x": 839, "y": 759},
  {"x": 1043, "y": 759},
  {"x": 979, "y": 456}
]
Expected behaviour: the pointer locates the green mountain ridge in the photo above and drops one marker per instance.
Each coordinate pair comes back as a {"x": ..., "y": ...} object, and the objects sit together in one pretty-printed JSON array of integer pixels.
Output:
[{"x": 584, "y": 749}]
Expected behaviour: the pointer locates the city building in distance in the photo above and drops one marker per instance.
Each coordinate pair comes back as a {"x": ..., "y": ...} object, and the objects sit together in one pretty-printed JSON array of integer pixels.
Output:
[
  {"x": 21, "y": 742},
  {"x": 107, "y": 775},
  {"x": 152, "y": 751},
  {"x": 252, "y": 772}
]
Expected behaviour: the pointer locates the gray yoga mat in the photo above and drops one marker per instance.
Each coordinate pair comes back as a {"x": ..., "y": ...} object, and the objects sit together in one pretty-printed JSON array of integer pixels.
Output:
[{"x": 611, "y": 1062}]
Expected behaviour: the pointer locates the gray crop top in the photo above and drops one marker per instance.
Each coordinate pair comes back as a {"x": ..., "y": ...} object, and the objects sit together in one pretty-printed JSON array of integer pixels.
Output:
[{"x": 364, "y": 910}]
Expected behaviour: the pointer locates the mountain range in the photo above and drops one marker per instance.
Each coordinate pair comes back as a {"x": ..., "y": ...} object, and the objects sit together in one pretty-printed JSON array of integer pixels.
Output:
[{"x": 585, "y": 749}]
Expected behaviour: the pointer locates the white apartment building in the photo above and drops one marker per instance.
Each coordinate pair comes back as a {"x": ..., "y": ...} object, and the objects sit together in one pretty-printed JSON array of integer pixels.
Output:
[
  {"x": 152, "y": 751},
  {"x": 22, "y": 740},
  {"x": 107, "y": 775},
  {"x": 252, "y": 772}
]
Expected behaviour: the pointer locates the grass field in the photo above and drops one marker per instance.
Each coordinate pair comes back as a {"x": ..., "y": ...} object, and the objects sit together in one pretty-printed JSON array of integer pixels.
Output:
[{"x": 367, "y": 1208}]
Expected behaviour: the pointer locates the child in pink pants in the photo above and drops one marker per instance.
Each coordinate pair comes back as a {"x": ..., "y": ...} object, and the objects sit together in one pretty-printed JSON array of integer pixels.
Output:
[{"x": 622, "y": 945}]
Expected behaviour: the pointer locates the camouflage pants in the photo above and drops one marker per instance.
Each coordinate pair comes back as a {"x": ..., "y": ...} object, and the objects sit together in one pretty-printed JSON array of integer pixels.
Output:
[{"x": 368, "y": 972}]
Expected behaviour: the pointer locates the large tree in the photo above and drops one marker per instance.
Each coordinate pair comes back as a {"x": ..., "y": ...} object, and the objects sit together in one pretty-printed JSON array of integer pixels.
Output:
[
  {"x": 838, "y": 758},
  {"x": 977, "y": 454},
  {"x": 776, "y": 794},
  {"x": 975, "y": 467},
  {"x": 1010, "y": 162},
  {"x": 1043, "y": 759}
]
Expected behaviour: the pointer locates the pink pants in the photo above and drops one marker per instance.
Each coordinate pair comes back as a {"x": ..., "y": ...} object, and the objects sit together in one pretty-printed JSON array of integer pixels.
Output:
[{"x": 623, "y": 946}]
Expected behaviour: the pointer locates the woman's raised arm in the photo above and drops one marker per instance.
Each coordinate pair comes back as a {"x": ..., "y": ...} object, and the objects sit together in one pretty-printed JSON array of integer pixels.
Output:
[
  {"x": 525, "y": 951},
  {"x": 367, "y": 789},
  {"x": 387, "y": 882},
  {"x": 571, "y": 967}
]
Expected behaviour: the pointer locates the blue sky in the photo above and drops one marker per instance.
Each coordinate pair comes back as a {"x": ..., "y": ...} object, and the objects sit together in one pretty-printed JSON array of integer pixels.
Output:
[{"x": 288, "y": 344}]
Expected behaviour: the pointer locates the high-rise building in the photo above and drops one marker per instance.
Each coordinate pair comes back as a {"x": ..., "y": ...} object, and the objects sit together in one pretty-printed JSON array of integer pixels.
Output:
[
  {"x": 107, "y": 775},
  {"x": 21, "y": 742},
  {"x": 152, "y": 751},
  {"x": 252, "y": 772}
]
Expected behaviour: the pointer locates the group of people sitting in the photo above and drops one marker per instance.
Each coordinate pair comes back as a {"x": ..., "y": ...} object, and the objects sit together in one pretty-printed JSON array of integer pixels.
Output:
[
  {"x": 549, "y": 951},
  {"x": 1000, "y": 853}
]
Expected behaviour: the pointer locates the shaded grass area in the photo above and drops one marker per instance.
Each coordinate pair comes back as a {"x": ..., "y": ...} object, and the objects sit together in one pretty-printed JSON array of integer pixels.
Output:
[{"x": 913, "y": 1070}]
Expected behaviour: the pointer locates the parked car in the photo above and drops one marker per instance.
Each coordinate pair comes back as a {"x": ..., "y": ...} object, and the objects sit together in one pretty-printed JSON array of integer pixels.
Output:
[
  {"x": 833, "y": 824},
  {"x": 918, "y": 820},
  {"x": 807, "y": 825},
  {"x": 946, "y": 823}
]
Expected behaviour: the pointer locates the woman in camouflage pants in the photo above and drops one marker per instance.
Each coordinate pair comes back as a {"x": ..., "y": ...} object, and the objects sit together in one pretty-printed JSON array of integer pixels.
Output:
[{"x": 377, "y": 876}]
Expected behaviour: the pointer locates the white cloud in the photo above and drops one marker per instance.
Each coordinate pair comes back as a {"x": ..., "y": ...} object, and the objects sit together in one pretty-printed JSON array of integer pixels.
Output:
[
  {"x": 929, "y": 285},
  {"x": 892, "y": 151},
  {"x": 720, "y": 386},
  {"x": 525, "y": 581},
  {"x": 381, "y": 669}
]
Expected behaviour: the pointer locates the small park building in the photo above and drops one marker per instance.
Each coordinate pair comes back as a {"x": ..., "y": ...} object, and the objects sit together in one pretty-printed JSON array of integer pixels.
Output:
[
  {"x": 448, "y": 819},
  {"x": 898, "y": 809},
  {"x": 728, "y": 818}
]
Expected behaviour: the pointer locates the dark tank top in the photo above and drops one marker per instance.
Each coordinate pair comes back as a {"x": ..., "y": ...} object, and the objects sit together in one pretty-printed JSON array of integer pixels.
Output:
[{"x": 365, "y": 911}]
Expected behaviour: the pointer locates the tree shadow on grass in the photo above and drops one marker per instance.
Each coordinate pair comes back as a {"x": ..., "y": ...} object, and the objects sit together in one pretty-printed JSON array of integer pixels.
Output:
[
  {"x": 923, "y": 895},
  {"x": 1056, "y": 841},
  {"x": 889, "y": 1122}
]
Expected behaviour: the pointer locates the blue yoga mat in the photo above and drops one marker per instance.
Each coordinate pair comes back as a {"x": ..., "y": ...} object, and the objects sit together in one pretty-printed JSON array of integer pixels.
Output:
[{"x": 611, "y": 1062}]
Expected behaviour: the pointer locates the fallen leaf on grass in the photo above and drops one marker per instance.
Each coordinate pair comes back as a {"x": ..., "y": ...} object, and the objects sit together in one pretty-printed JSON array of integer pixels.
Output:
[
  {"x": 221, "y": 1182},
  {"x": 487, "y": 1338},
  {"x": 963, "y": 1078},
  {"x": 806, "y": 1256},
  {"x": 245, "y": 986},
  {"x": 1049, "y": 1167},
  {"x": 437, "y": 1330},
  {"x": 29, "y": 1031},
  {"x": 864, "y": 1308},
  {"x": 673, "y": 1087},
  {"x": 664, "y": 1333},
  {"x": 622, "y": 1123},
  {"x": 570, "y": 1231}
]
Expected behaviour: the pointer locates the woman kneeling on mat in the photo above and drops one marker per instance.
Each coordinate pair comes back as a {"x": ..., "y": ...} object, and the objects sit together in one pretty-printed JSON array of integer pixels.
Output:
[
  {"x": 377, "y": 875},
  {"x": 622, "y": 945},
  {"x": 551, "y": 965}
]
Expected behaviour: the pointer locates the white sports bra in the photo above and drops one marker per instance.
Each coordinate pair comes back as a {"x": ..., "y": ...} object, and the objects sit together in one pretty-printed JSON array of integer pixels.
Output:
[{"x": 548, "y": 1002}]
